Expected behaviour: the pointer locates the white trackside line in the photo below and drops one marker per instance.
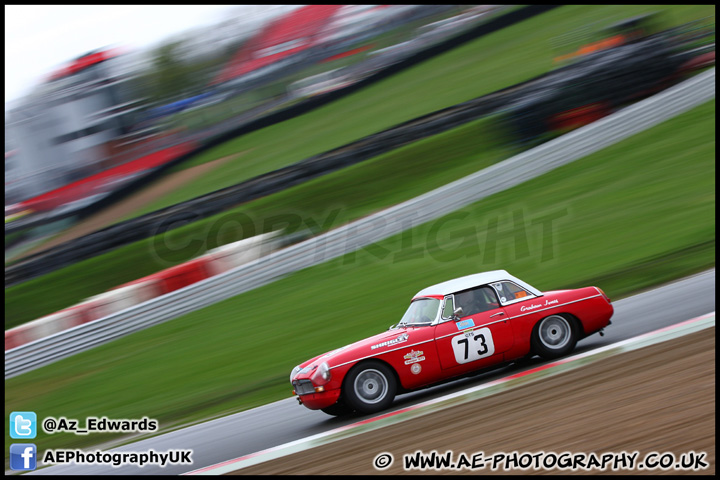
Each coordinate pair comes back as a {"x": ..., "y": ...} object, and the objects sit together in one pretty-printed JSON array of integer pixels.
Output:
[{"x": 454, "y": 399}]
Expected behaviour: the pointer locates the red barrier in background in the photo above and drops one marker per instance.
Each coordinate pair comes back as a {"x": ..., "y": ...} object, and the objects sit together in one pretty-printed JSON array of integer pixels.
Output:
[
  {"x": 160, "y": 283},
  {"x": 62, "y": 320},
  {"x": 185, "y": 274},
  {"x": 174, "y": 278},
  {"x": 14, "y": 338},
  {"x": 177, "y": 277}
]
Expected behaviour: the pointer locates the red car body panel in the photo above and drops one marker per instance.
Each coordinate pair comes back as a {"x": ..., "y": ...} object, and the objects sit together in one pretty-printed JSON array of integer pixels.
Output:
[{"x": 424, "y": 355}]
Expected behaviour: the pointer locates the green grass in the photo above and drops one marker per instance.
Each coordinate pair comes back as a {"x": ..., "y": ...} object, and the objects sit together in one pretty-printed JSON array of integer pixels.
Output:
[
  {"x": 633, "y": 215},
  {"x": 506, "y": 57},
  {"x": 325, "y": 202}
]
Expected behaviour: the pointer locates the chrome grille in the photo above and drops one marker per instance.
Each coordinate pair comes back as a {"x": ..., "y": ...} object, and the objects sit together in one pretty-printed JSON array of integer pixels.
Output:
[{"x": 303, "y": 387}]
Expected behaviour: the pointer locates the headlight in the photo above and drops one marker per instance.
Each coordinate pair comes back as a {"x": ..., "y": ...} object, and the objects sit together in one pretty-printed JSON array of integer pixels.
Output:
[
  {"x": 322, "y": 374},
  {"x": 294, "y": 372},
  {"x": 324, "y": 370}
]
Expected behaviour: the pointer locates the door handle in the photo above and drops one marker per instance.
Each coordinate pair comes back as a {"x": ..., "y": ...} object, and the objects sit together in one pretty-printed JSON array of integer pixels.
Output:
[{"x": 497, "y": 314}]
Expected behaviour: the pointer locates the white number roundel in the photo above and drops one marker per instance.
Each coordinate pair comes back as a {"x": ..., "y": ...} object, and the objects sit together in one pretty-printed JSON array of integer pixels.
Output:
[{"x": 473, "y": 345}]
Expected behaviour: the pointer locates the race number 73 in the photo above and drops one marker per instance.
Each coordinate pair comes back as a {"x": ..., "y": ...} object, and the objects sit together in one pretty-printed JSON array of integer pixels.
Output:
[{"x": 474, "y": 345}]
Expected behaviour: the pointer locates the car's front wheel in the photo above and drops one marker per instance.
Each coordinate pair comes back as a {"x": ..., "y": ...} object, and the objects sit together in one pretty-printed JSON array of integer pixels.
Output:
[
  {"x": 554, "y": 336},
  {"x": 370, "y": 387}
]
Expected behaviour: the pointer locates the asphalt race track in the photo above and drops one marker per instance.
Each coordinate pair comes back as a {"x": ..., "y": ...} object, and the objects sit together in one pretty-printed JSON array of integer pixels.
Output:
[{"x": 284, "y": 421}]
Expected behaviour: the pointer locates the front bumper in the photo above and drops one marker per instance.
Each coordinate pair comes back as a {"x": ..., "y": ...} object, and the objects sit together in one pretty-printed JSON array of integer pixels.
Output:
[{"x": 316, "y": 401}]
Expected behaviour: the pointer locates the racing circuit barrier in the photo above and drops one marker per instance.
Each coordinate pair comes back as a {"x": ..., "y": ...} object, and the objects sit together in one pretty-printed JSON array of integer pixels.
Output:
[
  {"x": 368, "y": 230},
  {"x": 214, "y": 262}
]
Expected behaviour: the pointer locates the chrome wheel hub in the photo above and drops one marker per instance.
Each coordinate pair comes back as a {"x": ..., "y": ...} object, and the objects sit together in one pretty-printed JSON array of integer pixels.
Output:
[
  {"x": 555, "y": 332},
  {"x": 371, "y": 386}
]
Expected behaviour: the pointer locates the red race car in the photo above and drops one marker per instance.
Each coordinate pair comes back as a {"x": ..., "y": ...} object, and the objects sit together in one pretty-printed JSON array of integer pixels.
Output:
[{"x": 450, "y": 330}]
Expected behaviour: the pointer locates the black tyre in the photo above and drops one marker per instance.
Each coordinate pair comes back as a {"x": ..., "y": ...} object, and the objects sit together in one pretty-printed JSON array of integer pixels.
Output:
[
  {"x": 339, "y": 409},
  {"x": 370, "y": 387},
  {"x": 554, "y": 336},
  {"x": 525, "y": 361}
]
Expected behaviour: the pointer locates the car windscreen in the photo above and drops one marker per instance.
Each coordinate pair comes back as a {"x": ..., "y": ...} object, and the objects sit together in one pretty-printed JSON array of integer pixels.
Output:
[{"x": 421, "y": 312}]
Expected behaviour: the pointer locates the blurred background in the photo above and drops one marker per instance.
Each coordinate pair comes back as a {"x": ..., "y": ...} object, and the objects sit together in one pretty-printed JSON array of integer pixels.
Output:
[
  {"x": 115, "y": 104},
  {"x": 144, "y": 144}
]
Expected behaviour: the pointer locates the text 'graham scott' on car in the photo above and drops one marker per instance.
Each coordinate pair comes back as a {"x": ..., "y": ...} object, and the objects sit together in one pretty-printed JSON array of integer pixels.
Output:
[{"x": 450, "y": 330}]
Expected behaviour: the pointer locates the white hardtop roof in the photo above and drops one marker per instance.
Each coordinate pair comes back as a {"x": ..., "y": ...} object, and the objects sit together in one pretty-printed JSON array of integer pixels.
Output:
[{"x": 470, "y": 281}]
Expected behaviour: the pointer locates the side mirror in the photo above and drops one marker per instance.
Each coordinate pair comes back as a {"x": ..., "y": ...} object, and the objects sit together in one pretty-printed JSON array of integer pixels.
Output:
[{"x": 457, "y": 313}]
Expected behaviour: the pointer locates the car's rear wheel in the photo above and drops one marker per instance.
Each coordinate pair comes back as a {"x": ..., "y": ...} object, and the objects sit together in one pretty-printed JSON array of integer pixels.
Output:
[
  {"x": 370, "y": 387},
  {"x": 554, "y": 336},
  {"x": 340, "y": 408}
]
